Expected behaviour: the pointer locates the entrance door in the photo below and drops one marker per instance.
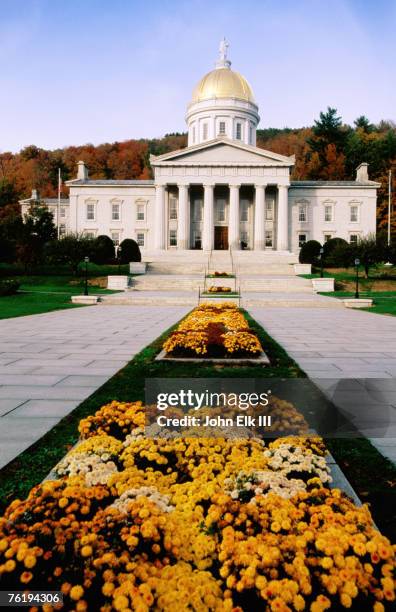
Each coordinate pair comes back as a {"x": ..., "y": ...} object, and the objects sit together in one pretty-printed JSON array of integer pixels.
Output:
[{"x": 221, "y": 238}]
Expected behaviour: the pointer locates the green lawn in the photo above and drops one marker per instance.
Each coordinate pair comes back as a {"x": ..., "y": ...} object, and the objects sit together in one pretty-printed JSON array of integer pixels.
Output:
[
  {"x": 384, "y": 301},
  {"x": 380, "y": 286},
  {"x": 38, "y": 294},
  {"x": 372, "y": 476}
]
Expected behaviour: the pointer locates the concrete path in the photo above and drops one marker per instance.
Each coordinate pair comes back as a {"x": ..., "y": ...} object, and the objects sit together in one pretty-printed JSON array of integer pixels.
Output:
[
  {"x": 351, "y": 355},
  {"x": 49, "y": 363}
]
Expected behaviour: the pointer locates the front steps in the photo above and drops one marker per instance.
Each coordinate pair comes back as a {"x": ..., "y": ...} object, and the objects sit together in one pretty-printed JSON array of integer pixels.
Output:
[
  {"x": 270, "y": 284},
  {"x": 248, "y": 300},
  {"x": 190, "y": 282}
]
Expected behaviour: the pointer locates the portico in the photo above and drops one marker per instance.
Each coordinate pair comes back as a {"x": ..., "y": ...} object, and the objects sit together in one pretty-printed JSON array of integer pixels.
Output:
[
  {"x": 220, "y": 216},
  {"x": 241, "y": 204}
]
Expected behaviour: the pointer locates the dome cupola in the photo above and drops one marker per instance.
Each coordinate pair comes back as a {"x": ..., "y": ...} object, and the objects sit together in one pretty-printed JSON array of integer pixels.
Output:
[{"x": 222, "y": 105}]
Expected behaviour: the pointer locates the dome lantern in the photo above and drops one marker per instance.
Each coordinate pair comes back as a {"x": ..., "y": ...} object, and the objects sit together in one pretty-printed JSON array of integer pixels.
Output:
[{"x": 222, "y": 105}]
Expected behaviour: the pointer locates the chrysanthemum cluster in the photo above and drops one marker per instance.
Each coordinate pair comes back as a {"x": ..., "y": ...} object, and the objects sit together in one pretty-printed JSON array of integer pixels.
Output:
[
  {"x": 213, "y": 330},
  {"x": 204, "y": 524}
]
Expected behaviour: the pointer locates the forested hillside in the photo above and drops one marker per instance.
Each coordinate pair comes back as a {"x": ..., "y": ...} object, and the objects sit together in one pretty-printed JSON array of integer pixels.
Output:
[{"x": 328, "y": 150}]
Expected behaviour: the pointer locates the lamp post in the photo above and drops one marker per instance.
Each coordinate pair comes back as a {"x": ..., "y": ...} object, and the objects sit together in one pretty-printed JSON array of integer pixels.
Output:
[
  {"x": 321, "y": 261},
  {"x": 86, "y": 260},
  {"x": 119, "y": 259},
  {"x": 357, "y": 263}
]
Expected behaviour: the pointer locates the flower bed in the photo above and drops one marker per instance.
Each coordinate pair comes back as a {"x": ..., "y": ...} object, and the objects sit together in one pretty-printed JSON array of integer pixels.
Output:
[
  {"x": 220, "y": 275},
  {"x": 213, "y": 330},
  {"x": 218, "y": 289},
  {"x": 194, "y": 524}
]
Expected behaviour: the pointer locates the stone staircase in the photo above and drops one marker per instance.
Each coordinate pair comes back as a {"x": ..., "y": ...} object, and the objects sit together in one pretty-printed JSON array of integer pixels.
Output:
[
  {"x": 153, "y": 281},
  {"x": 274, "y": 284},
  {"x": 264, "y": 278}
]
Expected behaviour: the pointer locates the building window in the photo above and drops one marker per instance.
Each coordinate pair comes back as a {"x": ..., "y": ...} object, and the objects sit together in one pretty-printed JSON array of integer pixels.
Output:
[
  {"x": 62, "y": 212},
  {"x": 115, "y": 236},
  {"x": 244, "y": 211},
  {"x": 354, "y": 214},
  {"x": 222, "y": 128},
  {"x": 140, "y": 212},
  {"x": 193, "y": 134},
  {"x": 172, "y": 207},
  {"x": 90, "y": 210},
  {"x": 327, "y": 237},
  {"x": 197, "y": 239},
  {"x": 220, "y": 210},
  {"x": 205, "y": 131},
  {"x": 238, "y": 131},
  {"x": 302, "y": 239},
  {"x": 268, "y": 238},
  {"x": 62, "y": 229},
  {"x": 269, "y": 210},
  {"x": 328, "y": 213},
  {"x": 172, "y": 237},
  {"x": 302, "y": 213},
  {"x": 353, "y": 239},
  {"x": 89, "y": 234},
  {"x": 115, "y": 212},
  {"x": 251, "y": 134},
  {"x": 198, "y": 210},
  {"x": 140, "y": 239}
]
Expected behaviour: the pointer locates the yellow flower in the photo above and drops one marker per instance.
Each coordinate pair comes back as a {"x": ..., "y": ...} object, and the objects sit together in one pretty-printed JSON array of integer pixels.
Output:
[
  {"x": 86, "y": 551},
  {"x": 9, "y": 565},
  {"x": 108, "y": 588},
  {"x": 120, "y": 602},
  {"x": 76, "y": 592},
  {"x": 30, "y": 561}
]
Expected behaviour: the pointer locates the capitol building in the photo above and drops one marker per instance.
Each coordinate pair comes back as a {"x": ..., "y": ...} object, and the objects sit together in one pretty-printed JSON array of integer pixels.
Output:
[{"x": 221, "y": 191}]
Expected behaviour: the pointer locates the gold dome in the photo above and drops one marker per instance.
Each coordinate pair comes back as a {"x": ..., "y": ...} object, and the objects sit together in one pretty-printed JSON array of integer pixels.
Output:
[{"x": 223, "y": 83}]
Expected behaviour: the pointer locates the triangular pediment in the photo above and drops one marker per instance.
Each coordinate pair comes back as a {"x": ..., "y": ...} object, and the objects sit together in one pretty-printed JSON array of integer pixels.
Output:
[{"x": 222, "y": 152}]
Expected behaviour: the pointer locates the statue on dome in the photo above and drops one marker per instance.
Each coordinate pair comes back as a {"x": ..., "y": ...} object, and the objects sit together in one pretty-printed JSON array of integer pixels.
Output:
[{"x": 224, "y": 44}]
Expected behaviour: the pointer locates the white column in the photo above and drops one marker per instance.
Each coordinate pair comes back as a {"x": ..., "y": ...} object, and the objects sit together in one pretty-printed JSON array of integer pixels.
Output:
[
  {"x": 259, "y": 218},
  {"x": 183, "y": 233},
  {"x": 207, "y": 235},
  {"x": 159, "y": 241},
  {"x": 233, "y": 220},
  {"x": 282, "y": 228}
]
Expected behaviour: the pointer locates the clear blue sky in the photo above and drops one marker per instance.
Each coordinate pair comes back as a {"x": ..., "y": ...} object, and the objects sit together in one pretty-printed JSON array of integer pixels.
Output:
[{"x": 79, "y": 71}]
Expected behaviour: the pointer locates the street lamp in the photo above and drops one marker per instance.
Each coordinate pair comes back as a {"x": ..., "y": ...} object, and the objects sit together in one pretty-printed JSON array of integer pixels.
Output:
[
  {"x": 86, "y": 261},
  {"x": 357, "y": 264},
  {"x": 321, "y": 261},
  {"x": 119, "y": 259}
]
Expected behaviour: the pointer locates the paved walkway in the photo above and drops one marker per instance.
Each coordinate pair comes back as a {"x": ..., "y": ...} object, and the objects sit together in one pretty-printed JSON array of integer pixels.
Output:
[
  {"x": 351, "y": 355},
  {"x": 50, "y": 362}
]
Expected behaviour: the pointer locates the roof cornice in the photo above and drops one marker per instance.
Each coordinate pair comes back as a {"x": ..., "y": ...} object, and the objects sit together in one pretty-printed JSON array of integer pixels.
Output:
[{"x": 284, "y": 160}]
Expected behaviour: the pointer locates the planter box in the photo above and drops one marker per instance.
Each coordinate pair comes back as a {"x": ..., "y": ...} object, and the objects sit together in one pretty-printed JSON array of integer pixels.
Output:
[
  {"x": 360, "y": 303},
  {"x": 118, "y": 283},
  {"x": 262, "y": 359},
  {"x": 302, "y": 268},
  {"x": 221, "y": 282},
  {"x": 324, "y": 285},
  {"x": 85, "y": 299},
  {"x": 137, "y": 267}
]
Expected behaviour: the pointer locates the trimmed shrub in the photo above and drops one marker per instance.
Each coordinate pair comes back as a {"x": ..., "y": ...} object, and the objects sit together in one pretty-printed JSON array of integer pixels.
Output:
[
  {"x": 8, "y": 287},
  {"x": 130, "y": 251},
  {"x": 309, "y": 252},
  {"x": 103, "y": 251},
  {"x": 333, "y": 247}
]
